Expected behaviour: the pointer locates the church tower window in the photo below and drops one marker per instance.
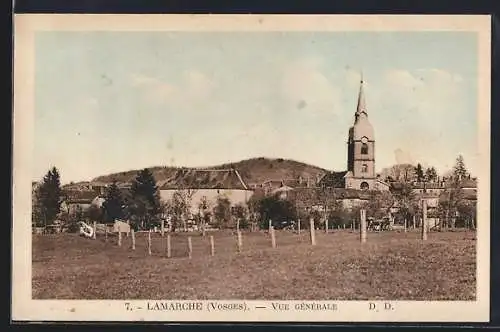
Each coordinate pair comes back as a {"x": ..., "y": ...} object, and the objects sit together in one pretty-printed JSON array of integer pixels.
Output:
[
  {"x": 364, "y": 148},
  {"x": 364, "y": 168}
]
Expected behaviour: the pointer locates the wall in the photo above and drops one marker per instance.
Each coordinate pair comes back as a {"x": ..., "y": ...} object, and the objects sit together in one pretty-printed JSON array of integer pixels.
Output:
[
  {"x": 355, "y": 183},
  {"x": 236, "y": 196},
  {"x": 368, "y": 159}
]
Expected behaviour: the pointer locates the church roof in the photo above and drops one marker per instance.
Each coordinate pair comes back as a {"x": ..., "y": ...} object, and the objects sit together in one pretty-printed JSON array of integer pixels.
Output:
[
  {"x": 361, "y": 107},
  {"x": 362, "y": 127}
]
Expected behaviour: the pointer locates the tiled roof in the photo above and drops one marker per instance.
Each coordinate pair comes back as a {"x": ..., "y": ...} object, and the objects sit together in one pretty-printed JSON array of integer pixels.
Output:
[
  {"x": 333, "y": 180},
  {"x": 77, "y": 195},
  {"x": 340, "y": 193},
  {"x": 204, "y": 179}
]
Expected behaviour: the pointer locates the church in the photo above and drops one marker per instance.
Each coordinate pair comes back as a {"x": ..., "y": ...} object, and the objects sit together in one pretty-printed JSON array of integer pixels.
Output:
[{"x": 360, "y": 173}]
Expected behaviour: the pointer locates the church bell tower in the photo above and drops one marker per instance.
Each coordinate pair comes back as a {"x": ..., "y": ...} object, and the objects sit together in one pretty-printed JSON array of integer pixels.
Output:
[{"x": 361, "y": 148}]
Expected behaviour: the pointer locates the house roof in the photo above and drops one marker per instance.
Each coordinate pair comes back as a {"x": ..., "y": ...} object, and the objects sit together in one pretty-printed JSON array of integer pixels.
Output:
[
  {"x": 79, "y": 201},
  {"x": 204, "y": 179},
  {"x": 309, "y": 195},
  {"x": 465, "y": 184},
  {"x": 72, "y": 196},
  {"x": 333, "y": 179},
  {"x": 282, "y": 189}
]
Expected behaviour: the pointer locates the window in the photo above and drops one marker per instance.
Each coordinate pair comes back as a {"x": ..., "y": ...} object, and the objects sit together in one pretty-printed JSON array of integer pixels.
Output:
[
  {"x": 364, "y": 168},
  {"x": 364, "y": 148},
  {"x": 364, "y": 186}
]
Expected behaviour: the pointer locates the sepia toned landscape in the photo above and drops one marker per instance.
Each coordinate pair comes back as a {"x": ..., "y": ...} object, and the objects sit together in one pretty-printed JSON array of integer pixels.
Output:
[
  {"x": 389, "y": 266},
  {"x": 273, "y": 166}
]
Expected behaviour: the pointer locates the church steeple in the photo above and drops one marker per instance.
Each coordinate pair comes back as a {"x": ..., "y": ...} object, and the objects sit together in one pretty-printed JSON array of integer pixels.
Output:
[
  {"x": 361, "y": 147},
  {"x": 361, "y": 108}
]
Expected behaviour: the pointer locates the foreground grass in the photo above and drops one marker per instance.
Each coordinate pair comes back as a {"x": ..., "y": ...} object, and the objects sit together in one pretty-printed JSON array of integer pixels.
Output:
[{"x": 390, "y": 266}]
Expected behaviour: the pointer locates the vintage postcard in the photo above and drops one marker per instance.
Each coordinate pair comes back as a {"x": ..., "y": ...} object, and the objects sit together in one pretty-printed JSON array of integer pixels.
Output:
[{"x": 248, "y": 168}]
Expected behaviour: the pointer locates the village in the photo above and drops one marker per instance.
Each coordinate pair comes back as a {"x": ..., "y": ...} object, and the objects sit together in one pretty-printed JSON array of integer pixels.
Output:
[
  {"x": 203, "y": 199},
  {"x": 332, "y": 232}
]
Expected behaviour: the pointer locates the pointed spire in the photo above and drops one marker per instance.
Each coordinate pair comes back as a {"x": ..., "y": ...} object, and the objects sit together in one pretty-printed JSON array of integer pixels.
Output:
[{"x": 361, "y": 99}]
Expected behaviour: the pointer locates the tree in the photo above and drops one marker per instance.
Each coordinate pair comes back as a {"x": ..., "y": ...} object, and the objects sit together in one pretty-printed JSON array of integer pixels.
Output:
[
  {"x": 430, "y": 174},
  {"x": 145, "y": 199},
  {"x": 419, "y": 173},
  {"x": 203, "y": 213},
  {"x": 222, "y": 212},
  {"x": 95, "y": 213},
  {"x": 379, "y": 204},
  {"x": 113, "y": 205},
  {"x": 467, "y": 210},
  {"x": 240, "y": 213},
  {"x": 178, "y": 207},
  {"x": 406, "y": 199},
  {"x": 49, "y": 196},
  {"x": 450, "y": 201},
  {"x": 400, "y": 173},
  {"x": 340, "y": 216},
  {"x": 277, "y": 210},
  {"x": 37, "y": 217},
  {"x": 459, "y": 170}
]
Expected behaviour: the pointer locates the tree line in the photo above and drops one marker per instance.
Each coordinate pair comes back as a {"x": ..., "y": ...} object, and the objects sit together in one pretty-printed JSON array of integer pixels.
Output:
[{"x": 143, "y": 208}]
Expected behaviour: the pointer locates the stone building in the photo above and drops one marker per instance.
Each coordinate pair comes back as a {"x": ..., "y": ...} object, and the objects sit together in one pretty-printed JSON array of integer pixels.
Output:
[
  {"x": 360, "y": 173},
  {"x": 206, "y": 185}
]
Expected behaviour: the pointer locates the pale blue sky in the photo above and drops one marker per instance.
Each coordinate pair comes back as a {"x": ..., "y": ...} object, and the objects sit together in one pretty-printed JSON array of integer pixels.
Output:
[{"x": 114, "y": 101}]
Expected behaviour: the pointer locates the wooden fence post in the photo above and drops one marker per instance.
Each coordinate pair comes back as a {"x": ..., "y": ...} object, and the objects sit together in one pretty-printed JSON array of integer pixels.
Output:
[
  {"x": 149, "y": 242},
  {"x": 270, "y": 225},
  {"x": 169, "y": 247},
  {"x": 212, "y": 246},
  {"x": 119, "y": 238},
  {"x": 94, "y": 235},
  {"x": 326, "y": 225},
  {"x": 190, "y": 247},
  {"x": 132, "y": 234},
  {"x": 105, "y": 233},
  {"x": 362, "y": 227},
  {"x": 298, "y": 221},
  {"x": 424, "y": 220},
  {"x": 273, "y": 237},
  {"x": 162, "y": 228},
  {"x": 240, "y": 241},
  {"x": 313, "y": 231}
]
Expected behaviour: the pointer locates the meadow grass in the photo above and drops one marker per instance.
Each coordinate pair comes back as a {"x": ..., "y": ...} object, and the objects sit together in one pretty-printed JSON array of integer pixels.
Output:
[{"x": 389, "y": 266}]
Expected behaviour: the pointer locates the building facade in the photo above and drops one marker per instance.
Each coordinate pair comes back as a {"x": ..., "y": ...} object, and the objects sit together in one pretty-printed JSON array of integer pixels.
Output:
[{"x": 206, "y": 186}]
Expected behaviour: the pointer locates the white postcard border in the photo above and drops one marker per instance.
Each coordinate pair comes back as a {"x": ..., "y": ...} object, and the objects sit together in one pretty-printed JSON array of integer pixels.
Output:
[{"x": 24, "y": 308}]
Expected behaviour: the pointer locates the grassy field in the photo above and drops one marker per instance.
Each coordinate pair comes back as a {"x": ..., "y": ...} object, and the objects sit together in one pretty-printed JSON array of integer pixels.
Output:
[{"x": 389, "y": 266}]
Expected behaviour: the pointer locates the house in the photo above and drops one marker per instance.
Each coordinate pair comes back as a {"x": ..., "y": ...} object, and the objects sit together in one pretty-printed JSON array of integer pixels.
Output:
[
  {"x": 78, "y": 200},
  {"x": 311, "y": 197},
  {"x": 86, "y": 186},
  {"x": 206, "y": 185},
  {"x": 432, "y": 192}
]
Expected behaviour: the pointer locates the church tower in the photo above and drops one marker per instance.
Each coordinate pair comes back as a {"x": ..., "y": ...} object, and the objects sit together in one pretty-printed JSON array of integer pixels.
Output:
[{"x": 361, "y": 149}]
